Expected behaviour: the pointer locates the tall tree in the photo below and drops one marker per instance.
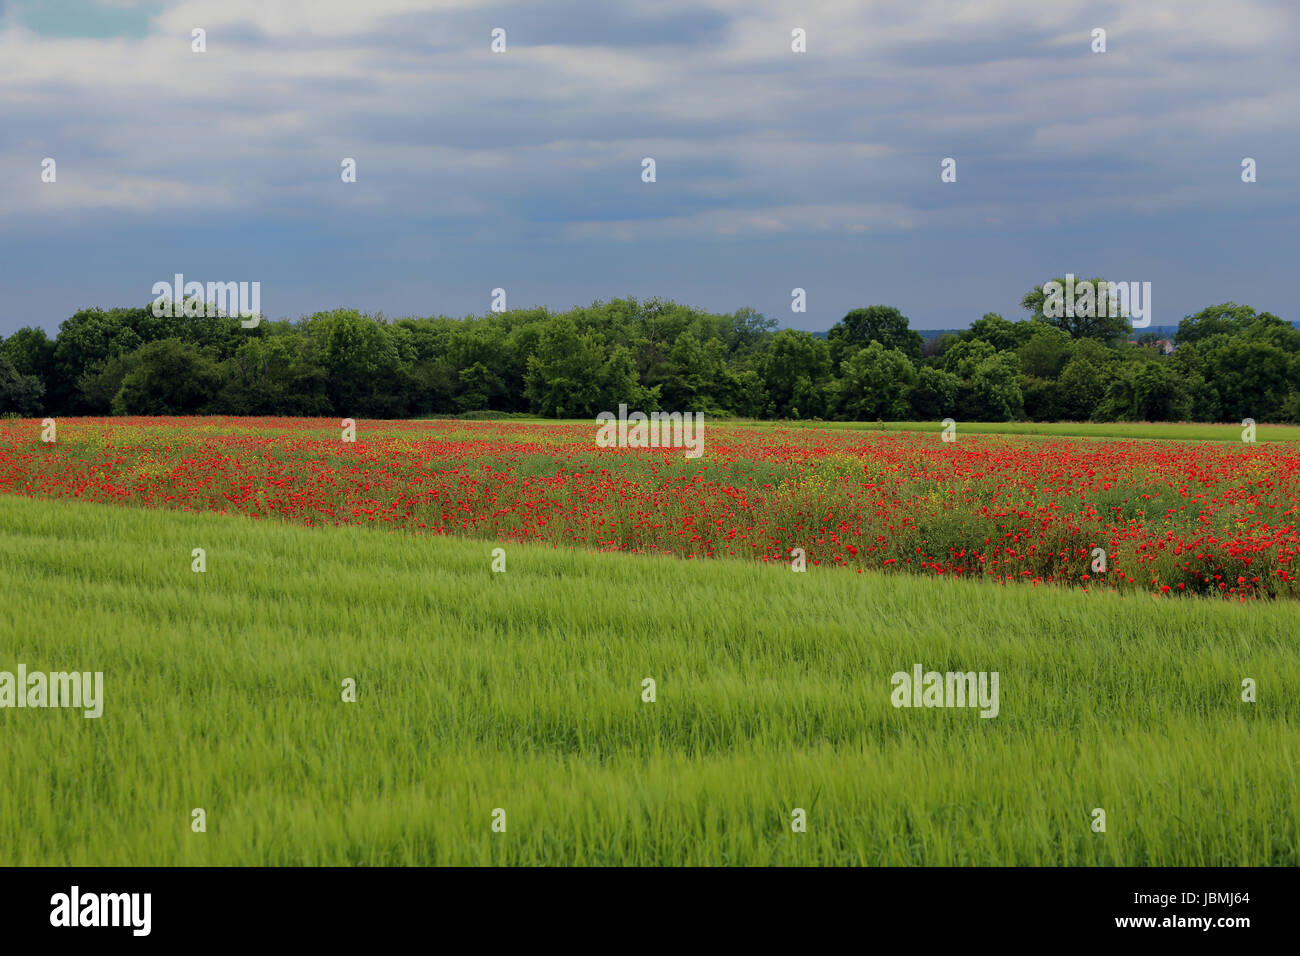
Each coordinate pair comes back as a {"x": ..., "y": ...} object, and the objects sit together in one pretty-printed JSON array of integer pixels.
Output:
[
  {"x": 876, "y": 323},
  {"x": 1106, "y": 327}
]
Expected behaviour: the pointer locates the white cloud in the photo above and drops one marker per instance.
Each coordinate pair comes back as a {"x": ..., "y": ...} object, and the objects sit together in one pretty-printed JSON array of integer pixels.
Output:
[{"x": 752, "y": 138}]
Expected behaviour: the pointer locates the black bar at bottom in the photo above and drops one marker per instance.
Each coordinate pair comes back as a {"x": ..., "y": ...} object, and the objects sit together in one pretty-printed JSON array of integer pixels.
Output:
[{"x": 1220, "y": 906}]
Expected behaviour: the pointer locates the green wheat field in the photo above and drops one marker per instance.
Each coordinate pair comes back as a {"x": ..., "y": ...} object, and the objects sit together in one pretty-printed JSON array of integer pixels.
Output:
[{"x": 522, "y": 692}]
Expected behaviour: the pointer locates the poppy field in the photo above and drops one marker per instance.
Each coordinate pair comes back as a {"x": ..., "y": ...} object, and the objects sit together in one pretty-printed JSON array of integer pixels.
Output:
[
  {"x": 1166, "y": 517},
  {"x": 431, "y": 645}
]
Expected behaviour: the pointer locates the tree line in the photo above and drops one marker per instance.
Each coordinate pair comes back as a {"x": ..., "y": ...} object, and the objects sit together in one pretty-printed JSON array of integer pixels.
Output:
[{"x": 1228, "y": 362}]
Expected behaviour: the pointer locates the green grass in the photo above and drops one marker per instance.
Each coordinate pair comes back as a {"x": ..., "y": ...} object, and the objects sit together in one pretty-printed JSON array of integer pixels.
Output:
[
  {"x": 1157, "y": 431},
  {"x": 522, "y": 691}
]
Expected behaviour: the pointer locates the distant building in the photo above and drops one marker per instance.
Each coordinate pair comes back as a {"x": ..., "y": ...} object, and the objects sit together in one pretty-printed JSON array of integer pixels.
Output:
[{"x": 1166, "y": 346}]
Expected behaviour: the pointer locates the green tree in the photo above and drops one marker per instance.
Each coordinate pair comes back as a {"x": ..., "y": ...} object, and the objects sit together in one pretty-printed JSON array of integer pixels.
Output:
[
  {"x": 747, "y": 332},
  {"x": 876, "y": 323},
  {"x": 575, "y": 375},
  {"x": 170, "y": 377},
  {"x": 361, "y": 362},
  {"x": 934, "y": 396},
  {"x": 688, "y": 379},
  {"x": 874, "y": 385},
  {"x": 278, "y": 374},
  {"x": 30, "y": 353},
  {"x": 1252, "y": 377},
  {"x": 796, "y": 371},
  {"x": 1042, "y": 399},
  {"x": 1080, "y": 389},
  {"x": 1156, "y": 393},
  {"x": 1003, "y": 335},
  {"x": 18, "y": 392},
  {"x": 1226, "y": 319},
  {"x": 743, "y": 393},
  {"x": 98, "y": 387},
  {"x": 994, "y": 388},
  {"x": 477, "y": 385},
  {"x": 559, "y": 381},
  {"x": 965, "y": 356},
  {"x": 1106, "y": 328},
  {"x": 1045, "y": 352}
]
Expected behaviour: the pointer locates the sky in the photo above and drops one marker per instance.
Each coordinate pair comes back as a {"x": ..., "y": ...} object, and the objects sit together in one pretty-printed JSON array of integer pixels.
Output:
[{"x": 523, "y": 169}]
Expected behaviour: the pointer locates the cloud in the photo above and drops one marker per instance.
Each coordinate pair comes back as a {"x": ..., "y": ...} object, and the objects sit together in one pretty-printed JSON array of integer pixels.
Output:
[{"x": 544, "y": 142}]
